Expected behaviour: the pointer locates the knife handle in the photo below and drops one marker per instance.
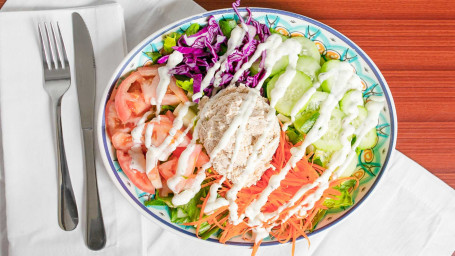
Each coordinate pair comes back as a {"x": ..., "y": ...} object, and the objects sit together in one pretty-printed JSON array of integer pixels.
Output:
[{"x": 95, "y": 233}]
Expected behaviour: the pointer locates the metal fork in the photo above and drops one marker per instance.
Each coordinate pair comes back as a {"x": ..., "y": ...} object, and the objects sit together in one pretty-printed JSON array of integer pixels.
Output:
[{"x": 57, "y": 80}]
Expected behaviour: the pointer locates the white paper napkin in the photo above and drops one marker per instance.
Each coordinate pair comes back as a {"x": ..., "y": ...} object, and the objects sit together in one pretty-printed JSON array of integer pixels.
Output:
[
  {"x": 411, "y": 212},
  {"x": 27, "y": 135}
]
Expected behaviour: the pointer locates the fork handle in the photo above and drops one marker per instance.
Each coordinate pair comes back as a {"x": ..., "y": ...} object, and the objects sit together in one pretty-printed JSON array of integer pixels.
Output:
[
  {"x": 67, "y": 209},
  {"x": 95, "y": 232}
]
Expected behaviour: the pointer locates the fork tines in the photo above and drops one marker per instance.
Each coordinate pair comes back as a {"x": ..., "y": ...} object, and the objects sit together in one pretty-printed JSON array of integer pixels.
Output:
[{"x": 52, "y": 47}]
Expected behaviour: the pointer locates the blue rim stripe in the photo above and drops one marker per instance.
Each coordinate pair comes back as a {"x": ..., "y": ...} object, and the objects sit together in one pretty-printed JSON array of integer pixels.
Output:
[{"x": 294, "y": 15}]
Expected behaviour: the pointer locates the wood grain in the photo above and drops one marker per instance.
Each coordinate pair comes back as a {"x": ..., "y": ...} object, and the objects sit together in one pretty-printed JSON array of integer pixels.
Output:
[{"x": 413, "y": 44}]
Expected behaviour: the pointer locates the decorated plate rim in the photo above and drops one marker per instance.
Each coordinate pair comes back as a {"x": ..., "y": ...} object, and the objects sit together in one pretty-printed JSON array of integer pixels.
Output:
[{"x": 108, "y": 161}]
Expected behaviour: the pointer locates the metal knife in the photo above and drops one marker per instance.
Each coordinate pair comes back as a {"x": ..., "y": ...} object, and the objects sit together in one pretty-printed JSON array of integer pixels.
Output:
[{"x": 84, "y": 60}]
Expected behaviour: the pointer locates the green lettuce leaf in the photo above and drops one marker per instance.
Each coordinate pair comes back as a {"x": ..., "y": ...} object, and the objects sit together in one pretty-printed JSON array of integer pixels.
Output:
[
  {"x": 154, "y": 56},
  {"x": 294, "y": 135},
  {"x": 158, "y": 200},
  {"x": 165, "y": 108},
  {"x": 192, "y": 29},
  {"x": 186, "y": 85},
  {"x": 170, "y": 41},
  {"x": 345, "y": 199},
  {"x": 227, "y": 26},
  {"x": 274, "y": 31},
  {"x": 317, "y": 218},
  {"x": 186, "y": 213}
]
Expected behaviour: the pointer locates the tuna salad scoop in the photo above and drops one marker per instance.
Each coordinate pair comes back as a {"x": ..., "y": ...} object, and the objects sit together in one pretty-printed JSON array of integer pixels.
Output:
[{"x": 217, "y": 115}]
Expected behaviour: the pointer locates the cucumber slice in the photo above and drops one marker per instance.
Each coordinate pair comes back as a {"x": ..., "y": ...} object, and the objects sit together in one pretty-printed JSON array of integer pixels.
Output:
[
  {"x": 315, "y": 101},
  {"x": 308, "y": 47},
  {"x": 327, "y": 84},
  {"x": 294, "y": 92},
  {"x": 351, "y": 96},
  {"x": 283, "y": 37},
  {"x": 321, "y": 158},
  {"x": 330, "y": 141},
  {"x": 305, "y": 120},
  {"x": 350, "y": 169},
  {"x": 370, "y": 140},
  {"x": 359, "y": 119},
  {"x": 309, "y": 66},
  {"x": 279, "y": 66}
]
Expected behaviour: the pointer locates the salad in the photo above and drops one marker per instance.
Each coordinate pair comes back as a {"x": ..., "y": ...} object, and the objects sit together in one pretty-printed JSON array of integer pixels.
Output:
[{"x": 242, "y": 131}]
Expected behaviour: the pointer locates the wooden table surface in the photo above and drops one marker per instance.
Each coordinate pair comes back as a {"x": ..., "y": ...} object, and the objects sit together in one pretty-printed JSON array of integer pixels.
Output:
[{"x": 413, "y": 44}]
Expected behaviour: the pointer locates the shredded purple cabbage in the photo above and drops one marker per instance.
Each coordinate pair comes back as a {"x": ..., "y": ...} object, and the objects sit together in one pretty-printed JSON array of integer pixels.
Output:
[{"x": 201, "y": 50}]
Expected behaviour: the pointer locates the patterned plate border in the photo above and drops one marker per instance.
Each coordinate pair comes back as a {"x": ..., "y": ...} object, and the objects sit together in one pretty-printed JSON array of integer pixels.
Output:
[{"x": 108, "y": 161}]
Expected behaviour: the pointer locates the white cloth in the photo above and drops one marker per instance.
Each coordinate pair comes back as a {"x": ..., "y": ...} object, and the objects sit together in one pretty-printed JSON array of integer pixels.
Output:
[{"x": 409, "y": 213}]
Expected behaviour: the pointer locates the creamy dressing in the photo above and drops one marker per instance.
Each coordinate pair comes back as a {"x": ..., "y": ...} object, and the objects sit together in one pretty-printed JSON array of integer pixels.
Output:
[
  {"x": 245, "y": 111},
  {"x": 136, "y": 133},
  {"x": 160, "y": 153},
  {"x": 137, "y": 159},
  {"x": 213, "y": 203},
  {"x": 345, "y": 79},
  {"x": 165, "y": 78},
  {"x": 237, "y": 35},
  {"x": 292, "y": 49},
  {"x": 181, "y": 168},
  {"x": 148, "y": 135},
  {"x": 188, "y": 193},
  {"x": 253, "y": 161},
  {"x": 236, "y": 127}
]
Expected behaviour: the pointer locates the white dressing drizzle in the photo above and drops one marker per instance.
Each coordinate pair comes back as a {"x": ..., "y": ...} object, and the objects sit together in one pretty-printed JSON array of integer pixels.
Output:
[
  {"x": 292, "y": 49},
  {"x": 253, "y": 161},
  {"x": 237, "y": 35},
  {"x": 165, "y": 78},
  {"x": 160, "y": 152},
  {"x": 346, "y": 80},
  {"x": 137, "y": 159},
  {"x": 188, "y": 193},
  {"x": 136, "y": 133},
  {"x": 236, "y": 127}
]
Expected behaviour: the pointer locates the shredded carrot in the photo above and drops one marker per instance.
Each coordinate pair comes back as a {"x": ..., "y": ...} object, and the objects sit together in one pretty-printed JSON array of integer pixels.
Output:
[{"x": 294, "y": 226}]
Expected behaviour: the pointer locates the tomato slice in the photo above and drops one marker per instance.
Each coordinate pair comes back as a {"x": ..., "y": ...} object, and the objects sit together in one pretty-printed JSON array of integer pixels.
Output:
[
  {"x": 202, "y": 159},
  {"x": 170, "y": 115},
  {"x": 179, "y": 92},
  {"x": 161, "y": 131},
  {"x": 137, "y": 104},
  {"x": 191, "y": 164},
  {"x": 129, "y": 102},
  {"x": 149, "y": 89},
  {"x": 165, "y": 190},
  {"x": 138, "y": 178},
  {"x": 154, "y": 177},
  {"x": 148, "y": 70},
  {"x": 113, "y": 122},
  {"x": 122, "y": 141},
  {"x": 167, "y": 169}
]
